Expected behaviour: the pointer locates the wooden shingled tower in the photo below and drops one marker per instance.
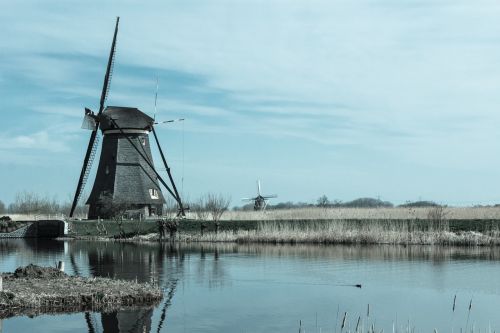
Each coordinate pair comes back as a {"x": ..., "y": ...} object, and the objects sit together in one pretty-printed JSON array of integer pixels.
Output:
[
  {"x": 123, "y": 174},
  {"x": 126, "y": 176}
]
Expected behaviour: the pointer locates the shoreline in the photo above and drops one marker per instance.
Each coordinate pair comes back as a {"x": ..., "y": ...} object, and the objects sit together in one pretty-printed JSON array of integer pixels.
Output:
[
  {"x": 444, "y": 232},
  {"x": 464, "y": 239}
]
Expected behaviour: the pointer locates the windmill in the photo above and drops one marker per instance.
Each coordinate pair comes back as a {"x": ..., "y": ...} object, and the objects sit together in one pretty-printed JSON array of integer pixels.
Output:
[
  {"x": 260, "y": 201},
  {"x": 126, "y": 175}
]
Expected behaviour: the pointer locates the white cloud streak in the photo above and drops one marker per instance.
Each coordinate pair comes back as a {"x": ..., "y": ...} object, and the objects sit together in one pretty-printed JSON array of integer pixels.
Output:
[{"x": 37, "y": 141}]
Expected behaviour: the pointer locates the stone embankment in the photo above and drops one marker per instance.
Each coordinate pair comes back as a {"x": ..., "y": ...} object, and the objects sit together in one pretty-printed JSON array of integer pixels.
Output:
[{"x": 34, "y": 290}]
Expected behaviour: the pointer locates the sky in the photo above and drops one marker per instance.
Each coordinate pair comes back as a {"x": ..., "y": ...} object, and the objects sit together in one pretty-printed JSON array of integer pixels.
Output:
[{"x": 397, "y": 100}]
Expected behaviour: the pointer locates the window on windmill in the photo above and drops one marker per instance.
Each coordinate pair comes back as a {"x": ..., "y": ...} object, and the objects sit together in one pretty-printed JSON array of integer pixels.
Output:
[
  {"x": 143, "y": 141},
  {"x": 107, "y": 169},
  {"x": 153, "y": 193}
]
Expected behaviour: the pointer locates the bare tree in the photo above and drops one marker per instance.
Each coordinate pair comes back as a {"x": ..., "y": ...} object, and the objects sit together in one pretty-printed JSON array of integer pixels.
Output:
[
  {"x": 32, "y": 203},
  {"x": 199, "y": 207},
  {"x": 323, "y": 201},
  {"x": 217, "y": 204}
]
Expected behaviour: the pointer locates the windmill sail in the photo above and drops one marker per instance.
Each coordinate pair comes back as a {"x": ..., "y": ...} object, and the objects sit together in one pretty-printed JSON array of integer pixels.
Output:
[{"x": 90, "y": 148}]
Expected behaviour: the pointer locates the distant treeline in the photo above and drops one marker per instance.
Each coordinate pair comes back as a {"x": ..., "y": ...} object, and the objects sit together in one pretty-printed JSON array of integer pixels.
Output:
[
  {"x": 324, "y": 202},
  {"x": 32, "y": 203}
]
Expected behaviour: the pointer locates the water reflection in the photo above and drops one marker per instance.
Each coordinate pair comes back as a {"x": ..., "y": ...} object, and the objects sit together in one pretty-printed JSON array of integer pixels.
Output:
[
  {"x": 130, "y": 261},
  {"x": 117, "y": 262},
  {"x": 272, "y": 286}
]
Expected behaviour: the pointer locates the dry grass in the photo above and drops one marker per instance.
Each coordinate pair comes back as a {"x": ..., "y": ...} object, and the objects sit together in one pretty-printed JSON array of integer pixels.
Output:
[
  {"x": 345, "y": 232},
  {"x": 374, "y": 232},
  {"x": 317, "y": 213},
  {"x": 31, "y": 296}
]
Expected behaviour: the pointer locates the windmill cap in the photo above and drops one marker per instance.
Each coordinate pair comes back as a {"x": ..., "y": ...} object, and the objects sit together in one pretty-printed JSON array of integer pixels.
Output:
[{"x": 125, "y": 118}]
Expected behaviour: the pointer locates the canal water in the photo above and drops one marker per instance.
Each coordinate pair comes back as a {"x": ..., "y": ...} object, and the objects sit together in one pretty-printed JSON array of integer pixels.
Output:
[{"x": 276, "y": 288}]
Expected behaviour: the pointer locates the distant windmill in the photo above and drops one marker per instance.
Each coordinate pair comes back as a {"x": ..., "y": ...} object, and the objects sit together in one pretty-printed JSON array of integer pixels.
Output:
[
  {"x": 260, "y": 201},
  {"x": 126, "y": 173}
]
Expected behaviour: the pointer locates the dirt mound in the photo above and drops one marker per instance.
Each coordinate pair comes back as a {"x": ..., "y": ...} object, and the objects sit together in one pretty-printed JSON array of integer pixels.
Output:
[{"x": 38, "y": 272}]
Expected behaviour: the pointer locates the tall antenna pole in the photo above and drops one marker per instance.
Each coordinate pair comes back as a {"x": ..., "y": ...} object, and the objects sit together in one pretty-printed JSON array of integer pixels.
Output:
[
  {"x": 182, "y": 179},
  {"x": 156, "y": 97}
]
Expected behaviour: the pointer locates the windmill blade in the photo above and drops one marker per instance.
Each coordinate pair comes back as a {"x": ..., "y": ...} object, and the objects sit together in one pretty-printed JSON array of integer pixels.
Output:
[
  {"x": 248, "y": 199},
  {"x": 84, "y": 172},
  {"x": 93, "y": 135},
  {"x": 109, "y": 69},
  {"x": 270, "y": 196}
]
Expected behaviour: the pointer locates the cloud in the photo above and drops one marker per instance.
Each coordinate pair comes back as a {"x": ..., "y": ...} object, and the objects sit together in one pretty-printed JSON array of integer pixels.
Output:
[
  {"x": 37, "y": 141},
  {"x": 391, "y": 81},
  {"x": 64, "y": 110},
  {"x": 385, "y": 66}
]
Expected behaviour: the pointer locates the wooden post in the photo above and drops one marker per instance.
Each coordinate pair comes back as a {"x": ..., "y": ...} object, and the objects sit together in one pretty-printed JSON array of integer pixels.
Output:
[{"x": 60, "y": 266}]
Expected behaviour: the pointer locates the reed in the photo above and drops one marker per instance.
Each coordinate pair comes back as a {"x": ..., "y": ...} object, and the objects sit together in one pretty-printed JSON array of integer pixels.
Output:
[
  {"x": 398, "y": 232},
  {"x": 356, "y": 324},
  {"x": 371, "y": 232},
  {"x": 342, "y": 213},
  {"x": 342, "y": 232}
]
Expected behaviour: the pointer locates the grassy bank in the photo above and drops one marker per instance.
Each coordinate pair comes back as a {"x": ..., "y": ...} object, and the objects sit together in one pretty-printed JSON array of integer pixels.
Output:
[
  {"x": 131, "y": 228},
  {"x": 34, "y": 290},
  {"x": 441, "y": 231},
  {"x": 346, "y": 232},
  {"x": 111, "y": 228},
  {"x": 376, "y": 232}
]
